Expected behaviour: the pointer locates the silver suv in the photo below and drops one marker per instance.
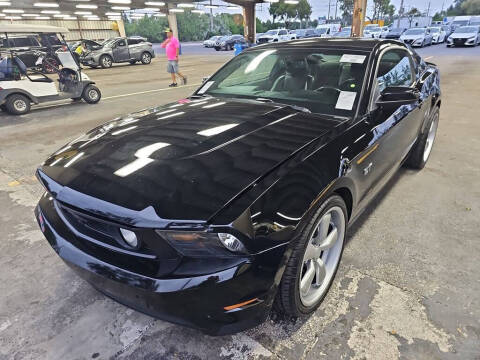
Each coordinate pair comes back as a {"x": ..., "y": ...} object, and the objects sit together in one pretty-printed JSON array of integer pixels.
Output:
[{"x": 118, "y": 50}]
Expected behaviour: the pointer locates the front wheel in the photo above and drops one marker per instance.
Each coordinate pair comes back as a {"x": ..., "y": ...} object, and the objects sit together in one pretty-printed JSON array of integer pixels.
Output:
[
  {"x": 17, "y": 104},
  {"x": 146, "y": 58},
  {"x": 91, "y": 94},
  {"x": 422, "y": 149},
  {"x": 106, "y": 61},
  {"x": 315, "y": 258}
]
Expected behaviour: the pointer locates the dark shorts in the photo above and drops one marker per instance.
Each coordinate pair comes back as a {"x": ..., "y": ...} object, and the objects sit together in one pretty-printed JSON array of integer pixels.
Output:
[{"x": 172, "y": 66}]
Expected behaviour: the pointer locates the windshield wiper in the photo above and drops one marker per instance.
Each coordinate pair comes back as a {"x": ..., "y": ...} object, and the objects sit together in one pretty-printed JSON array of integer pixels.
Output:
[{"x": 299, "y": 108}]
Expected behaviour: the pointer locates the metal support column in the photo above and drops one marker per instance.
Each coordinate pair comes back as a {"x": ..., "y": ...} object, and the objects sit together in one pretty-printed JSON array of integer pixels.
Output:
[
  {"x": 172, "y": 21},
  {"x": 359, "y": 9},
  {"x": 249, "y": 20}
]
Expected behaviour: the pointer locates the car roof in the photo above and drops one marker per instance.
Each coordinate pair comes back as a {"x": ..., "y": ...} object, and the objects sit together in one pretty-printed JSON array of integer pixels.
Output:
[{"x": 365, "y": 44}]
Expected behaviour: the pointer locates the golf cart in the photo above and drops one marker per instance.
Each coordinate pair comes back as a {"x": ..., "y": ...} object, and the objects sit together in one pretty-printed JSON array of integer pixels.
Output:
[{"x": 20, "y": 86}]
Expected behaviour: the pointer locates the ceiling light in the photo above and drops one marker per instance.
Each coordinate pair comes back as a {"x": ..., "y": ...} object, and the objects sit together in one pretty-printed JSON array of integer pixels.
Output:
[
  {"x": 83, "y": 12},
  {"x": 186, "y": 5},
  {"x": 28, "y": 15},
  {"x": 50, "y": 12},
  {"x": 113, "y": 14},
  {"x": 41, "y": 4},
  {"x": 120, "y": 8},
  {"x": 2, "y": 14},
  {"x": 86, "y": 6},
  {"x": 151, "y": 9},
  {"x": 120, "y": 1},
  {"x": 233, "y": 7},
  {"x": 176, "y": 10},
  {"x": 5, "y": 3},
  {"x": 272, "y": 1},
  {"x": 13, "y": 11},
  {"x": 42, "y": 18},
  {"x": 155, "y": 3},
  {"x": 291, "y": 2},
  {"x": 211, "y": 6},
  {"x": 197, "y": 11}
]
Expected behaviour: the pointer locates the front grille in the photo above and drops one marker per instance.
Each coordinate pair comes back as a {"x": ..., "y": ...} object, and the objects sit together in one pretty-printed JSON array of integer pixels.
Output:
[
  {"x": 459, "y": 41},
  {"x": 408, "y": 41}
]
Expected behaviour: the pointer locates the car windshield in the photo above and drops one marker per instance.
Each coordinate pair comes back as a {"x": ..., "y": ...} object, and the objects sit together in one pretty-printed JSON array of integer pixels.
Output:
[
  {"x": 460, "y": 23},
  {"x": 434, "y": 30},
  {"x": 371, "y": 27},
  {"x": 466, "y": 29},
  {"x": 271, "y": 32},
  {"x": 300, "y": 32},
  {"x": 396, "y": 30},
  {"x": 321, "y": 30},
  {"x": 109, "y": 42},
  {"x": 321, "y": 81},
  {"x": 375, "y": 30},
  {"x": 475, "y": 22},
  {"x": 414, "y": 32}
]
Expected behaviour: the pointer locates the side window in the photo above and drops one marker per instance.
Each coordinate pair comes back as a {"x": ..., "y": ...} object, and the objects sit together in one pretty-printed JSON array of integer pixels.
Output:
[
  {"x": 394, "y": 69},
  {"x": 121, "y": 43},
  {"x": 283, "y": 32},
  {"x": 132, "y": 41}
]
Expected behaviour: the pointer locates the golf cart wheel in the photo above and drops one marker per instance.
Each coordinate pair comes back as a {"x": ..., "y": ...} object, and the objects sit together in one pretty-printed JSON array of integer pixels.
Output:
[
  {"x": 50, "y": 65},
  {"x": 106, "y": 61},
  {"x": 17, "y": 104},
  {"x": 91, "y": 94},
  {"x": 146, "y": 58}
]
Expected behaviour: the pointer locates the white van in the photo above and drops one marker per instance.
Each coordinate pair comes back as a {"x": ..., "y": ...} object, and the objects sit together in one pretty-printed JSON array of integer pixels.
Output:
[
  {"x": 327, "y": 30},
  {"x": 460, "y": 21}
]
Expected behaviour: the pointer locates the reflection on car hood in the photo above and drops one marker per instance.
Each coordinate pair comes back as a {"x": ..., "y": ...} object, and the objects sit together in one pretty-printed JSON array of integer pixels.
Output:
[
  {"x": 412, "y": 37},
  {"x": 462, "y": 35},
  {"x": 185, "y": 160}
]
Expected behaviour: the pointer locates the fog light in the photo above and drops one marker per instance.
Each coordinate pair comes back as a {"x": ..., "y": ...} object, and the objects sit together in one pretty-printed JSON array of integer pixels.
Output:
[
  {"x": 129, "y": 237},
  {"x": 231, "y": 243}
]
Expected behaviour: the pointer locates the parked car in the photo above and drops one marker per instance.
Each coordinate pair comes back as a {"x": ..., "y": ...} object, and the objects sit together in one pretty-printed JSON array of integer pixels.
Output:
[
  {"x": 448, "y": 29},
  {"x": 257, "y": 36},
  {"x": 344, "y": 33},
  {"x": 208, "y": 210},
  {"x": 460, "y": 21},
  {"x": 35, "y": 51},
  {"x": 274, "y": 35},
  {"x": 119, "y": 50},
  {"x": 438, "y": 35},
  {"x": 327, "y": 30},
  {"x": 394, "y": 33},
  {"x": 292, "y": 35},
  {"x": 384, "y": 32},
  {"x": 210, "y": 43},
  {"x": 464, "y": 36},
  {"x": 374, "y": 33},
  {"x": 89, "y": 44},
  {"x": 228, "y": 42},
  {"x": 368, "y": 28},
  {"x": 417, "y": 37}
]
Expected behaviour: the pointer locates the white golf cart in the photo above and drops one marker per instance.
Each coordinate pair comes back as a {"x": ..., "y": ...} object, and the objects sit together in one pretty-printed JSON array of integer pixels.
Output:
[{"x": 20, "y": 86}]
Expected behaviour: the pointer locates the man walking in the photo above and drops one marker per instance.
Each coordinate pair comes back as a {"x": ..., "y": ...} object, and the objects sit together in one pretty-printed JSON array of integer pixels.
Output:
[{"x": 172, "y": 48}]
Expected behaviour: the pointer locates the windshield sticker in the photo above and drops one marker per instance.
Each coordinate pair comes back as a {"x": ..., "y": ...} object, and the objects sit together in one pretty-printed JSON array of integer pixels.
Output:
[
  {"x": 205, "y": 87},
  {"x": 345, "y": 100},
  {"x": 351, "y": 58}
]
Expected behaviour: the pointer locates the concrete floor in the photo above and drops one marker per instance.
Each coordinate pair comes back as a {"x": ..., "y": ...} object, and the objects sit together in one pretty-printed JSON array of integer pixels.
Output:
[{"x": 408, "y": 286}]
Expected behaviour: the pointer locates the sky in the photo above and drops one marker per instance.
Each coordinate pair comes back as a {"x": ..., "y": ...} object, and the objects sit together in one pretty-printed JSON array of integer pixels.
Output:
[{"x": 320, "y": 7}]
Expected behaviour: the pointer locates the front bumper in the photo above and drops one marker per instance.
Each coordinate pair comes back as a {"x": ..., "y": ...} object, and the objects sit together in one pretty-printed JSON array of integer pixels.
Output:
[{"x": 197, "y": 301}]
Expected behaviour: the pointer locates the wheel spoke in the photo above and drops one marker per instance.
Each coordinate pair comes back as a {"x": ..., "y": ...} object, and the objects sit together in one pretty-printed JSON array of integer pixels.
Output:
[
  {"x": 323, "y": 228},
  {"x": 329, "y": 240},
  {"x": 312, "y": 252},
  {"x": 307, "y": 278},
  {"x": 320, "y": 271}
]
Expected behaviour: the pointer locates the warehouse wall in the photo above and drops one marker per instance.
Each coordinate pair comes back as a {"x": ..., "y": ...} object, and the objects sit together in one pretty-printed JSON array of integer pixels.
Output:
[{"x": 93, "y": 30}]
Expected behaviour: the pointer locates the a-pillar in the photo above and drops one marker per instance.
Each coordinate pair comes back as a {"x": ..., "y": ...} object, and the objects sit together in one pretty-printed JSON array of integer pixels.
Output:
[
  {"x": 172, "y": 21},
  {"x": 249, "y": 19}
]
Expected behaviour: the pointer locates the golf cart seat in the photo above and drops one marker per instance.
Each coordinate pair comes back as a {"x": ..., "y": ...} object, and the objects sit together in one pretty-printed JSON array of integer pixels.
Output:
[
  {"x": 6, "y": 69},
  {"x": 22, "y": 68}
]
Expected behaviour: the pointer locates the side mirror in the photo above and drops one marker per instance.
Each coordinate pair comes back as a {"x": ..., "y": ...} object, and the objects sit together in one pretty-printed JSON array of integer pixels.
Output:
[
  {"x": 395, "y": 96},
  {"x": 205, "y": 79}
]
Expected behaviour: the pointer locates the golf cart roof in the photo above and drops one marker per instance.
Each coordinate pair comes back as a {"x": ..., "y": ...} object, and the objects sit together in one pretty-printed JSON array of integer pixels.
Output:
[{"x": 26, "y": 28}]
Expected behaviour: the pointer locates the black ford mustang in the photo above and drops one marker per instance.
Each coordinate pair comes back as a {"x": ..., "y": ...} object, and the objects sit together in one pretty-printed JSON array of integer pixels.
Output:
[{"x": 208, "y": 210}]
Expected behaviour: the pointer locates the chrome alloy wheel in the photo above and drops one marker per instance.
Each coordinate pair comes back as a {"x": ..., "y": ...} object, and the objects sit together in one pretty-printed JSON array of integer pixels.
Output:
[
  {"x": 146, "y": 58},
  {"x": 430, "y": 137},
  {"x": 107, "y": 62},
  {"x": 93, "y": 94},
  {"x": 322, "y": 256},
  {"x": 20, "y": 105}
]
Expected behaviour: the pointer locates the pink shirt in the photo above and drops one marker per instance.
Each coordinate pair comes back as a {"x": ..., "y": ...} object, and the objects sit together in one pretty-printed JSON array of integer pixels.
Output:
[{"x": 171, "y": 48}]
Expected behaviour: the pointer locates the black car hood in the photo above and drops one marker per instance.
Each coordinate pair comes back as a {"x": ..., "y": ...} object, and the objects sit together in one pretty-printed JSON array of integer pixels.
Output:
[{"x": 182, "y": 161}]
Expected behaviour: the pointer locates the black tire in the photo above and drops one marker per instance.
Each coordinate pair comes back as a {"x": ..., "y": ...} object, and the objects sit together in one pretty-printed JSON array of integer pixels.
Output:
[
  {"x": 89, "y": 94},
  {"x": 3, "y": 107},
  {"x": 17, "y": 104},
  {"x": 217, "y": 49},
  {"x": 288, "y": 296},
  {"x": 106, "y": 61},
  {"x": 133, "y": 62},
  {"x": 77, "y": 98},
  {"x": 146, "y": 58},
  {"x": 416, "y": 158}
]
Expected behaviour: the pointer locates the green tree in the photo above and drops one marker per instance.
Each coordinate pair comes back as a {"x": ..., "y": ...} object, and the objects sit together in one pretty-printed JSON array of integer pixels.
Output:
[
  {"x": 304, "y": 10},
  {"x": 411, "y": 14},
  {"x": 346, "y": 6},
  {"x": 471, "y": 7}
]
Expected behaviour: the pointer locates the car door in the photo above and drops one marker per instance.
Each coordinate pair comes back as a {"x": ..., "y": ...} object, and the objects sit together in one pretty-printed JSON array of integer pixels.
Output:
[
  {"x": 386, "y": 137},
  {"x": 283, "y": 35},
  {"x": 120, "y": 51}
]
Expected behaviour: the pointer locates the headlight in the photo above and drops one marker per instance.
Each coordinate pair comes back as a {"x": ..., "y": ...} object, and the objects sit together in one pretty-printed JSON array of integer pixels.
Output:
[
  {"x": 471, "y": 38},
  {"x": 204, "y": 244},
  {"x": 223, "y": 43}
]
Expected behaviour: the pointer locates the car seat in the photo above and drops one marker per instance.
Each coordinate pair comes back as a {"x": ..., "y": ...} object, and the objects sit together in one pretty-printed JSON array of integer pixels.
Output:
[{"x": 296, "y": 77}]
